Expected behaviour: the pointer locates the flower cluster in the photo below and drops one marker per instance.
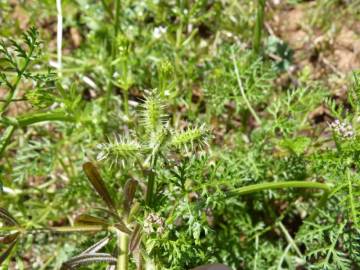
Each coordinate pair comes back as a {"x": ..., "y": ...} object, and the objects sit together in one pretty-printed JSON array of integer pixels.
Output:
[
  {"x": 152, "y": 222},
  {"x": 342, "y": 129}
]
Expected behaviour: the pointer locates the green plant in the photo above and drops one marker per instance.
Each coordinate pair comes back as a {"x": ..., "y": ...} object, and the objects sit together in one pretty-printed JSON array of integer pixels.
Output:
[
  {"x": 264, "y": 177},
  {"x": 160, "y": 139}
]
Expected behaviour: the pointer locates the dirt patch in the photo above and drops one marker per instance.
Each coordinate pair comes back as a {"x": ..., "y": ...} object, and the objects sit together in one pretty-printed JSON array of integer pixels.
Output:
[{"x": 334, "y": 52}]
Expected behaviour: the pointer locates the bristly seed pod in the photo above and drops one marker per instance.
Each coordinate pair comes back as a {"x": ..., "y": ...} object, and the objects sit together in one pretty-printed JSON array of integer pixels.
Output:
[
  {"x": 190, "y": 137},
  {"x": 152, "y": 115},
  {"x": 119, "y": 150},
  {"x": 40, "y": 98}
]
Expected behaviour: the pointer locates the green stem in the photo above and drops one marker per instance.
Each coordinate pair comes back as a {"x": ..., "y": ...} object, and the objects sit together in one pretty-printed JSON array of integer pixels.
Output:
[
  {"x": 278, "y": 185},
  {"x": 242, "y": 91},
  {"x": 14, "y": 87},
  {"x": 151, "y": 183},
  {"x": 113, "y": 55},
  {"x": 290, "y": 239},
  {"x": 5, "y": 139},
  {"x": 107, "y": 9},
  {"x": 14, "y": 100},
  {"x": 320, "y": 205},
  {"x": 43, "y": 71},
  {"x": 42, "y": 117},
  {"x": 29, "y": 120},
  {"x": 259, "y": 26},
  {"x": 351, "y": 200},
  {"x": 126, "y": 102},
  {"x": 123, "y": 245},
  {"x": 150, "y": 188},
  {"x": 60, "y": 229}
]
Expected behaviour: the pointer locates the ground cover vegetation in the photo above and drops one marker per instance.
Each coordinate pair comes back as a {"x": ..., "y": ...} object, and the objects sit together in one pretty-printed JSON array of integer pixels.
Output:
[{"x": 173, "y": 134}]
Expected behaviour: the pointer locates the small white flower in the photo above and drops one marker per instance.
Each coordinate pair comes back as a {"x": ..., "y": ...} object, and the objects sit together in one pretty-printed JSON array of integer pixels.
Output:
[
  {"x": 159, "y": 31},
  {"x": 342, "y": 129}
]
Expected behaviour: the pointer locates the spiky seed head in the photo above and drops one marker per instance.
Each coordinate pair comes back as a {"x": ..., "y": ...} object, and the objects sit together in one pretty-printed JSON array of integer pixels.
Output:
[
  {"x": 119, "y": 150},
  {"x": 153, "y": 115},
  {"x": 165, "y": 68},
  {"x": 40, "y": 98},
  {"x": 193, "y": 136}
]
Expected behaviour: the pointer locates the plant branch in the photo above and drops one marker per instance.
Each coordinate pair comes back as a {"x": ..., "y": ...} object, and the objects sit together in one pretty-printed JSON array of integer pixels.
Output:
[
  {"x": 5, "y": 138},
  {"x": 113, "y": 54},
  {"x": 123, "y": 245},
  {"x": 278, "y": 185},
  {"x": 13, "y": 88},
  {"x": 259, "y": 25},
  {"x": 59, "y": 37},
  {"x": 42, "y": 117},
  {"x": 242, "y": 91}
]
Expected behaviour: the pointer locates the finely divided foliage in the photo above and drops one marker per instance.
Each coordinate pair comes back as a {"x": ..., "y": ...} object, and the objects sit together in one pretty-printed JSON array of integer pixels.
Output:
[{"x": 220, "y": 163}]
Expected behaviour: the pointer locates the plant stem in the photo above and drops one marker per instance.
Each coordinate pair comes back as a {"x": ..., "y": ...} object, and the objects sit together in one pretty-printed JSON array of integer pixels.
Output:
[
  {"x": 29, "y": 120},
  {"x": 241, "y": 87},
  {"x": 113, "y": 55},
  {"x": 107, "y": 9},
  {"x": 65, "y": 229},
  {"x": 151, "y": 183},
  {"x": 42, "y": 117},
  {"x": 59, "y": 37},
  {"x": 320, "y": 205},
  {"x": 14, "y": 100},
  {"x": 126, "y": 102},
  {"x": 150, "y": 188},
  {"x": 259, "y": 26},
  {"x": 290, "y": 239},
  {"x": 13, "y": 89},
  {"x": 5, "y": 139},
  {"x": 351, "y": 199},
  {"x": 123, "y": 245},
  {"x": 277, "y": 185}
]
